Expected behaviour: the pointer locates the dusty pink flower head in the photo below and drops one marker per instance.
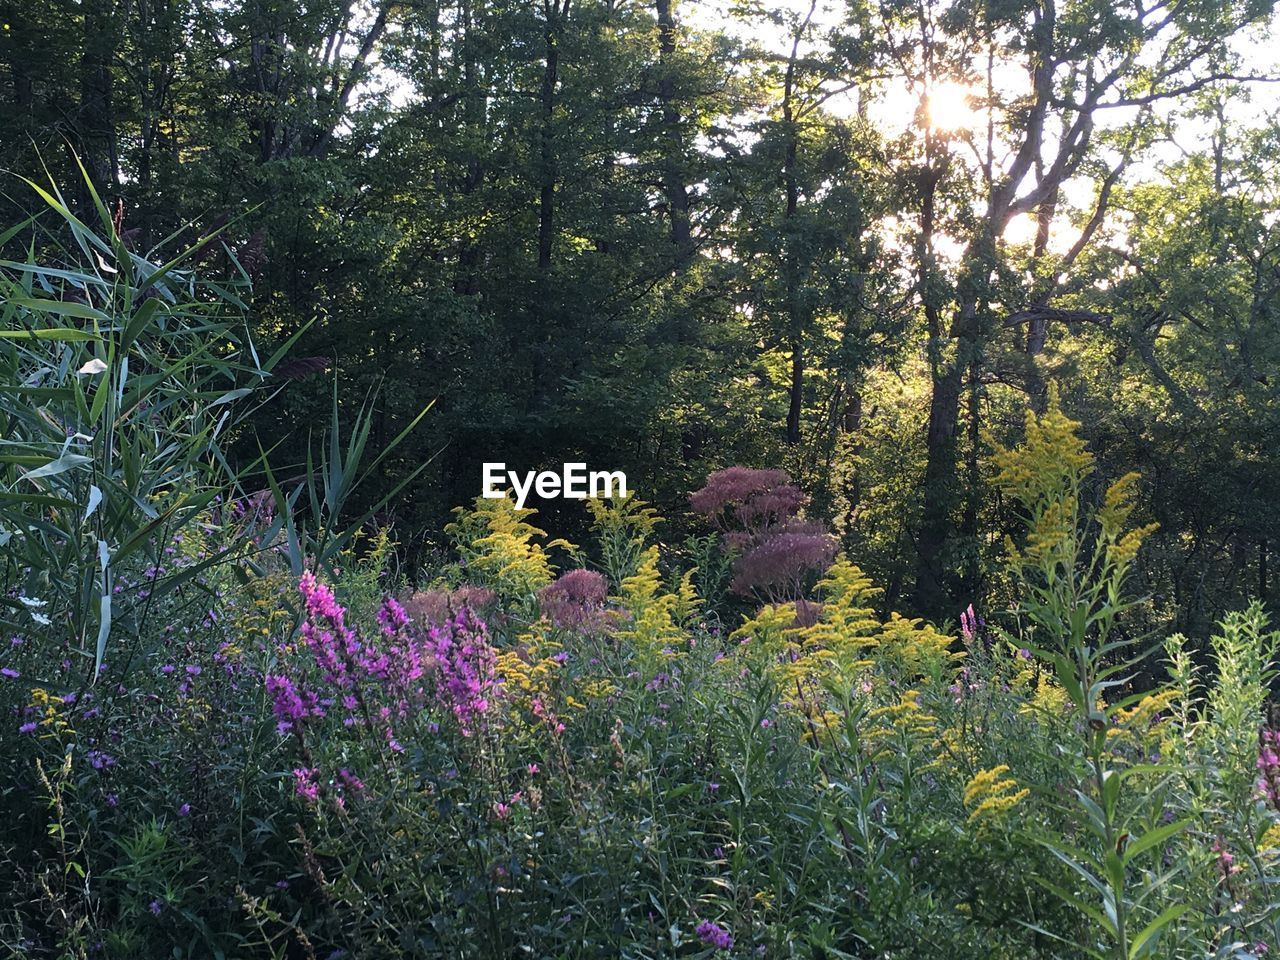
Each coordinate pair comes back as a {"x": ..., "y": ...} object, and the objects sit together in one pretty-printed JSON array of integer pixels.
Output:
[
  {"x": 435, "y": 606},
  {"x": 576, "y": 599},
  {"x": 735, "y": 485},
  {"x": 753, "y": 500},
  {"x": 778, "y": 567}
]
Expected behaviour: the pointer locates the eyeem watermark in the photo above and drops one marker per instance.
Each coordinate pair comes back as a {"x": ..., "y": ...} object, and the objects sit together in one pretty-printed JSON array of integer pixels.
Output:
[{"x": 572, "y": 483}]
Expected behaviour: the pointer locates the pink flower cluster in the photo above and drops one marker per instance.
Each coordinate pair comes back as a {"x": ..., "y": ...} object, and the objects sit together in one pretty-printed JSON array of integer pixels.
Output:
[
  {"x": 758, "y": 515},
  {"x": 465, "y": 661},
  {"x": 777, "y": 567},
  {"x": 757, "y": 498},
  {"x": 377, "y": 682},
  {"x": 576, "y": 600},
  {"x": 1269, "y": 767}
]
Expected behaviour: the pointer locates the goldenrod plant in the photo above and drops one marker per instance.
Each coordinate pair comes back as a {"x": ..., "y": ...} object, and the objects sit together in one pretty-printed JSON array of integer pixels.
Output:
[
  {"x": 498, "y": 548},
  {"x": 1071, "y": 572}
]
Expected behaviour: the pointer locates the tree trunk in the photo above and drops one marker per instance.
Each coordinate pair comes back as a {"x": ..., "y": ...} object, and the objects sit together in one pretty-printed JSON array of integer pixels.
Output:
[
  {"x": 466, "y": 281},
  {"x": 546, "y": 137},
  {"x": 796, "y": 308},
  {"x": 95, "y": 124},
  {"x": 673, "y": 184},
  {"x": 933, "y": 591}
]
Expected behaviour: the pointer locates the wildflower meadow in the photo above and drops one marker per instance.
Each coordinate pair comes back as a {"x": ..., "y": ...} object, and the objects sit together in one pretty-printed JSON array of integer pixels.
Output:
[{"x": 937, "y": 622}]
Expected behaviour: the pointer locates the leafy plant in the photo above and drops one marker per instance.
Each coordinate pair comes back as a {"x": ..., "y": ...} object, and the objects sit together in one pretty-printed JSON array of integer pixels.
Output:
[
  {"x": 1071, "y": 573},
  {"x": 122, "y": 380}
]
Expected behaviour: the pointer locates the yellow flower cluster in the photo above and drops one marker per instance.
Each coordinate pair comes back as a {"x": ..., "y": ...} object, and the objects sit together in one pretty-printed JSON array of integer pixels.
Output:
[
  {"x": 906, "y": 724},
  {"x": 1269, "y": 844},
  {"x": 845, "y": 640},
  {"x": 1138, "y": 721},
  {"x": 599, "y": 689},
  {"x": 656, "y": 616},
  {"x": 500, "y": 548},
  {"x": 53, "y": 722},
  {"x": 1045, "y": 474},
  {"x": 990, "y": 795},
  {"x": 529, "y": 668},
  {"x": 1044, "y": 694},
  {"x": 1050, "y": 461},
  {"x": 264, "y": 615}
]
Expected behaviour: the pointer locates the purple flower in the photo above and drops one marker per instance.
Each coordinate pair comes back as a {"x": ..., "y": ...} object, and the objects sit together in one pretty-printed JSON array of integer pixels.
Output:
[
  {"x": 776, "y": 567},
  {"x": 757, "y": 496},
  {"x": 714, "y": 935},
  {"x": 305, "y": 785},
  {"x": 465, "y": 662},
  {"x": 10, "y": 673},
  {"x": 289, "y": 704},
  {"x": 154, "y": 907},
  {"x": 184, "y": 810},
  {"x": 1269, "y": 768},
  {"x": 29, "y": 727}
]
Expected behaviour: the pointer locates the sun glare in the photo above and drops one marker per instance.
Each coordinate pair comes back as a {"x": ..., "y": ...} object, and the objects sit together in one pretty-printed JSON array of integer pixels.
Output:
[
  {"x": 949, "y": 106},
  {"x": 1021, "y": 229}
]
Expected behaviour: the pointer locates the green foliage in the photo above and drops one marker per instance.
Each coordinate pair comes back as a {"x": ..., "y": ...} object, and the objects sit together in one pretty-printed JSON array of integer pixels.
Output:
[
  {"x": 122, "y": 381},
  {"x": 1072, "y": 576},
  {"x": 856, "y": 242},
  {"x": 847, "y": 787},
  {"x": 622, "y": 527}
]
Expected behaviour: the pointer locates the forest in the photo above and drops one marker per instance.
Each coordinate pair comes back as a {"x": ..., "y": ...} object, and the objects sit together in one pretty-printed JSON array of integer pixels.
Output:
[{"x": 938, "y": 343}]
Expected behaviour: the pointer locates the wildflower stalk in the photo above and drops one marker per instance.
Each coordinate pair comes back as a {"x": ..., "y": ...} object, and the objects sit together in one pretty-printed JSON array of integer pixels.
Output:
[{"x": 1072, "y": 570}]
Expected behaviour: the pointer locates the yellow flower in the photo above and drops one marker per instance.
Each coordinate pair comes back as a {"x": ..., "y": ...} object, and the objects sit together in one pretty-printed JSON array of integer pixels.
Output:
[
  {"x": 657, "y": 616},
  {"x": 989, "y": 795},
  {"x": 501, "y": 549},
  {"x": 52, "y": 722},
  {"x": 1270, "y": 842}
]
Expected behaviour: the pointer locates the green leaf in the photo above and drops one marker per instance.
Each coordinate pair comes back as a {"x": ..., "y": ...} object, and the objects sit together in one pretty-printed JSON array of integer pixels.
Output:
[
  {"x": 1145, "y": 941},
  {"x": 68, "y": 461},
  {"x": 62, "y": 308},
  {"x": 139, "y": 322},
  {"x": 104, "y": 631},
  {"x": 1151, "y": 839},
  {"x": 1093, "y": 913},
  {"x": 63, "y": 334}
]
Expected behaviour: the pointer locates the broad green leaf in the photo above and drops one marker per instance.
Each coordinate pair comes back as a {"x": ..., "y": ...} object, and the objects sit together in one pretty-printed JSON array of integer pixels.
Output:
[
  {"x": 1145, "y": 941},
  {"x": 68, "y": 461},
  {"x": 62, "y": 308},
  {"x": 63, "y": 334},
  {"x": 1151, "y": 839}
]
